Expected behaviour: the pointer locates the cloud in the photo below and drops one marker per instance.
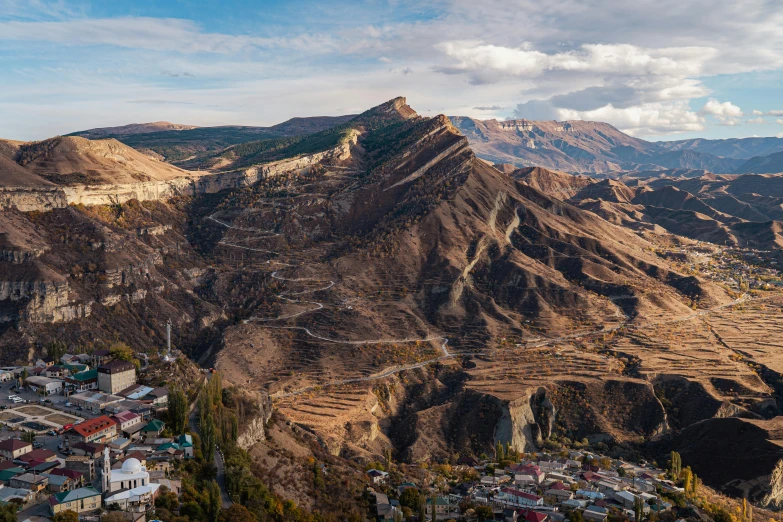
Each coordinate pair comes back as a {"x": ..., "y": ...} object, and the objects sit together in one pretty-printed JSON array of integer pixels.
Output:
[
  {"x": 485, "y": 63},
  {"x": 727, "y": 113},
  {"x": 157, "y": 34},
  {"x": 645, "y": 119},
  {"x": 756, "y": 121},
  {"x": 488, "y": 108},
  {"x": 757, "y": 112},
  {"x": 160, "y": 102},
  {"x": 774, "y": 113},
  {"x": 779, "y": 122}
]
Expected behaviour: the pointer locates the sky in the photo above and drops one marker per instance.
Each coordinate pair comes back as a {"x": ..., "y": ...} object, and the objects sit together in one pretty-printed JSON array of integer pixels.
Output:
[{"x": 657, "y": 69}]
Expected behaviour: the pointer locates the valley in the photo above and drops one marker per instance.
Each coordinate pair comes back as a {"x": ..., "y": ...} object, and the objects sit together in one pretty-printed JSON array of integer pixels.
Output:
[{"x": 391, "y": 292}]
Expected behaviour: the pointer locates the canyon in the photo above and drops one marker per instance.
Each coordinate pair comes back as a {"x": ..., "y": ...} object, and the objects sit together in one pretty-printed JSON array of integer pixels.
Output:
[{"x": 389, "y": 289}]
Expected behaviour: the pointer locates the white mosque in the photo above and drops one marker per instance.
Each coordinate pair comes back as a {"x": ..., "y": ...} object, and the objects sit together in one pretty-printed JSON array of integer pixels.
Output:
[{"x": 128, "y": 487}]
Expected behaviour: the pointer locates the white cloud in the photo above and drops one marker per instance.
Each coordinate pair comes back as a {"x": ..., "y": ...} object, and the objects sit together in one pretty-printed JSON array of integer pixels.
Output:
[
  {"x": 775, "y": 113},
  {"x": 757, "y": 112},
  {"x": 779, "y": 135},
  {"x": 726, "y": 113},
  {"x": 721, "y": 110},
  {"x": 157, "y": 34},
  {"x": 779, "y": 122},
  {"x": 756, "y": 121},
  {"x": 645, "y": 119},
  {"x": 486, "y": 62}
]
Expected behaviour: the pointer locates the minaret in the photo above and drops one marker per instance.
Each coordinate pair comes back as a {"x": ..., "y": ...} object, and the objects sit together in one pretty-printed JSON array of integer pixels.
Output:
[
  {"x": 168, "y": 339},
  {"x": 106, "y": 474}
]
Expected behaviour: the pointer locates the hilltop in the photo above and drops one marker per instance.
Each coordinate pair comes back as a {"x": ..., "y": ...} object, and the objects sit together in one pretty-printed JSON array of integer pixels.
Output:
[{"x": 130, "y": 129}]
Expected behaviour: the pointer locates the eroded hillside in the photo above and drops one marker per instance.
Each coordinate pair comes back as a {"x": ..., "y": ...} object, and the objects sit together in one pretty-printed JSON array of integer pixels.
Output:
[{"x": 388, "y": 289}]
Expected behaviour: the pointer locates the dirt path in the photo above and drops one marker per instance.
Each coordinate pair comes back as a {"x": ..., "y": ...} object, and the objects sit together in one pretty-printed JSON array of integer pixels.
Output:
[{"x": 387, "y": 372}]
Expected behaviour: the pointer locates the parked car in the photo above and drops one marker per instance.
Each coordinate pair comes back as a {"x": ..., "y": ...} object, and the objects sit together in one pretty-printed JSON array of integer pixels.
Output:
[
  {"x": 68, "y": 405},
  {"x": 37, "y": 445}
]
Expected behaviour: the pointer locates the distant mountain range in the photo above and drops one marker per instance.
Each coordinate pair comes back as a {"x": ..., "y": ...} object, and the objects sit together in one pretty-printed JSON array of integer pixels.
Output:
[{"x": 599, "y": 148}]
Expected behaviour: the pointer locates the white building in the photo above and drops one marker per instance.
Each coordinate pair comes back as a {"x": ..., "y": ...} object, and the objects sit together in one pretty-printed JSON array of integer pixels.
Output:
[
  {"x": 129, "y": 487},
  {"x": 47, "y": 384}
]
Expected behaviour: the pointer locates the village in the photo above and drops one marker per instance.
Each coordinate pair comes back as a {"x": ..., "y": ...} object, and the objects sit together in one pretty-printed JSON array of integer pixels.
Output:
[
  {"x": 572, "y": 485},
  {"x": 82, "y": 437},
  {"x": 739, "y": 269}
]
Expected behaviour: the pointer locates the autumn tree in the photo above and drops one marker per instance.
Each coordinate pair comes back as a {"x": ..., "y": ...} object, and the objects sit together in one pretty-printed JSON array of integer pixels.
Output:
[{"x": 66, "y": 516}]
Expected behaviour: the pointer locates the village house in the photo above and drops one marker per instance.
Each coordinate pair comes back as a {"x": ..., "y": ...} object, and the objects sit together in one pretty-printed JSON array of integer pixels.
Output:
[
  {"x": 515, "y": 497},
  {"x": 44, "y": 362},
  {"x": 7, "y": 474},
  {"x": 82, "y": 464},
  {"x": 93, "y": 401},
  {"x": 528, "y": 476},
  {"x": 99, "y": 357},
  {"x": 82, "y": 500},
  {"x": 153, "y": 428},
  {"x": 39, "y": 455},
  {"x": 441, "y": 507},
  {"x": 35, "y": 483},
  {"x": 115, "y": 376},
  {"x": 376, "y": 476},
  {"x": 58, "y": 483},
  {"x": 126, "y": 420},
  {"x": 82, "y": 381},
  {"x": 558, "y": 492},
  {"x": 595, "y": 513},
  {"x": 45, "y": 385},
  {"x": 17, "y": 495},
  {"x": 99, "y": 429},
  {"x": 76, "y": 478},
  {"x": 12, "y": 449}
]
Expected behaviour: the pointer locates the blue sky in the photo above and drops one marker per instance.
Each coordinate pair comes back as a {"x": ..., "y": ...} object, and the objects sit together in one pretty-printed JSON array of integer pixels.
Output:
[{"x": 659, "y": 69}]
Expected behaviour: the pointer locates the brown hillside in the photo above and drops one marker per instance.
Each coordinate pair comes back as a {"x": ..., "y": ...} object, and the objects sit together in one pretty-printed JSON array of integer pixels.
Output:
[{"x": 74, "y": 160}]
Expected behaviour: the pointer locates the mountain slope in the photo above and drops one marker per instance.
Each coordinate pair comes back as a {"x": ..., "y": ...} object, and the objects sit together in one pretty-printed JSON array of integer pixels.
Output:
[
  {"x": 180, "y": 145},
  {"x": 770, "y": 164},
  {"x": 72, "y": 160},
  {"x": 738, "y": 148},
  {"x": 594, "y": 147}
]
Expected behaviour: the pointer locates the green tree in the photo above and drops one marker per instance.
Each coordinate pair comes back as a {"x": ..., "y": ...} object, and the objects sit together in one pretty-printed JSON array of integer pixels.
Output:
[
  {"x": 214, "y": 502},
  {"x": 208, "y": 437},
  {"x": 499, "y": 453},
  {"x": 485, "y": 513},
  {"x": 8, "y": 513},
  {"x": 178, "y": 410},
  {"x": 56, "y": 349},
  {"x": 65, "y": 516},
  {"x": 410, "y": 498},
  {"x": 422, "y": 507},
  {"x": 237, "y": 513},
  {"x": 28, "y": 436},
  {"x": 638, "y": 509},
  {"x": 576, "y": 516},
  {"x": 434, "y": 504},
  {"x": 675, "y": 465}
]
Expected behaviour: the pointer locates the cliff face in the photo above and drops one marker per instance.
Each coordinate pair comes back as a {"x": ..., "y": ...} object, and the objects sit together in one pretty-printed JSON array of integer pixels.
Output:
[
  {"x": 28, "y": 199},
  {"x": 255, "y": 430}
]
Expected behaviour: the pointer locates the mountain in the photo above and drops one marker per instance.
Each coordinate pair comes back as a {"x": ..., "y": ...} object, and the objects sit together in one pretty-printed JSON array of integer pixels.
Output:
[
  {"x": 133, "y": 128},
  {"x": 392, "y": 291},
  {"x": 72, "y": 160},
  {"x": 599, "y": 148},
  {"x": 770, "y": 164},
  {"x": 738, "y": 148},
  {"x": 184, "y": 144},
  {"x": 572, "y": 146}
]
